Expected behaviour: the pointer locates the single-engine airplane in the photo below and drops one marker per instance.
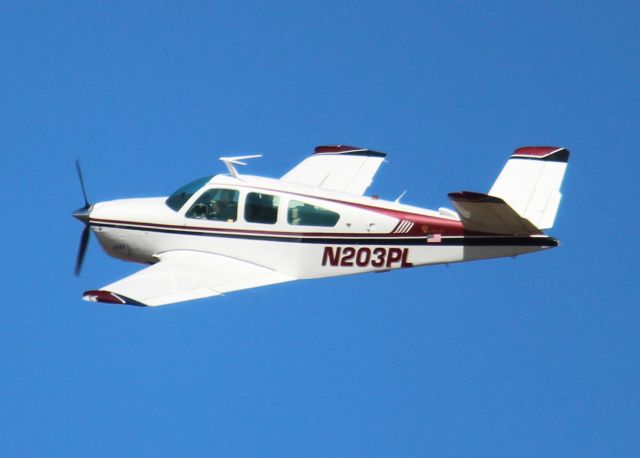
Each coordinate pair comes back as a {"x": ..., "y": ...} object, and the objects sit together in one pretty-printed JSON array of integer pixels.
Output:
[{"x": 233, "y": 231}]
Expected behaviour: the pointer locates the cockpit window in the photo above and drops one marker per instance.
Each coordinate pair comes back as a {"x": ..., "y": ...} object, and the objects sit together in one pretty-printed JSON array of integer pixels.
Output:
[
  {"x": 180, "y": 197},
  {"x": 216, "y": 205},
  {"x": 301, "y": 214}
]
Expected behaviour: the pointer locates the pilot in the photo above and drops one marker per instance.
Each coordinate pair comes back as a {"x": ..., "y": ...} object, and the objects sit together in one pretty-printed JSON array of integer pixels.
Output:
[
  {"x": 198, "y": 211},
  {"x": 224, "y": 208}
]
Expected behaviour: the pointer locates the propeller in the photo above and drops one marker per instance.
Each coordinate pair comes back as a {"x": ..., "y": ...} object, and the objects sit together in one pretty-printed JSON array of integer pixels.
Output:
[
  {"x": 82, "y": 214},
  {"x": 84, "y": 191}
]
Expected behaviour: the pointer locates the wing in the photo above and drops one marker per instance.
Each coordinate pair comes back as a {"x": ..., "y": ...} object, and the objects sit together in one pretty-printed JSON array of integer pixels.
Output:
[
  {"x": 183, "y": 276},
  {"x": 337, "y": 168}
]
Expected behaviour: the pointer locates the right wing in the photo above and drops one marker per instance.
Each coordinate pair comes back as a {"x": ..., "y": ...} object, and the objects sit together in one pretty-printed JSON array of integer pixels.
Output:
[
  {"x": 183, "y": 275},
  {"x": 337, "y": 168}
]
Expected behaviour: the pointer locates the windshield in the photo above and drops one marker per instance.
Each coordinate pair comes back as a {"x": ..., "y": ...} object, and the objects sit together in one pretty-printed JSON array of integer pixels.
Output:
[{"x": 178, "y": 198}]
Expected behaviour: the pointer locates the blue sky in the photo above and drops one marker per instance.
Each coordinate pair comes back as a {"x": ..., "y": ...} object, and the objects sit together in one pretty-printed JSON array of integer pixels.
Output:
[{"x": 538, "y": 356}]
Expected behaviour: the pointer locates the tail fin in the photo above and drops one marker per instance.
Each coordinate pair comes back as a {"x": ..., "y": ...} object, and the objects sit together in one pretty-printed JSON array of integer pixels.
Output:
[{"x": 530, "y": 183}]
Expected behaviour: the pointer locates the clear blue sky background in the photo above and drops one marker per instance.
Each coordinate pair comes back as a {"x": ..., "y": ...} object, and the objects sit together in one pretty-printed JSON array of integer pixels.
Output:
[{"x": 538, "y": 356}]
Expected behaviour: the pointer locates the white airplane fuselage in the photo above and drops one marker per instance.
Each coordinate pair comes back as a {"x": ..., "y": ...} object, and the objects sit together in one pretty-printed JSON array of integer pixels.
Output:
[{"x": 371, "y": 235}]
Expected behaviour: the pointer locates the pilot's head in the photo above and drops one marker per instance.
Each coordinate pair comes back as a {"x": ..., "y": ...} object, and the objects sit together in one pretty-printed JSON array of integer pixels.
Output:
[{"x": 226, "y": 195}]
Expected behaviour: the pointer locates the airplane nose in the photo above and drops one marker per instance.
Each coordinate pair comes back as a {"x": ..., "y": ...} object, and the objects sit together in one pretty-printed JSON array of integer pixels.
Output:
[{"x": 82, "y": 214}]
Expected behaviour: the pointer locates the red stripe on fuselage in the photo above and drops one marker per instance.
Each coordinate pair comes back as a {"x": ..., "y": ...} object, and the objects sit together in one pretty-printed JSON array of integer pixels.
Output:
[
  {"x": 423, "y": 224},
  {"x": 142, "y": 225}
]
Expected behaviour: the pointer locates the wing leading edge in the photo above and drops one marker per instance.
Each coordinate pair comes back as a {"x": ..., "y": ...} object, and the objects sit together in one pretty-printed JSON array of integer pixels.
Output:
[
  {"x": 186, "y": 275},
  {"x": 337, "y": 168}
]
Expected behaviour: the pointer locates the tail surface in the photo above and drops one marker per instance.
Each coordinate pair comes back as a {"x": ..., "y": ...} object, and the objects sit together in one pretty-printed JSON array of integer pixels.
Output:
[
  {"x": 490, "y": 215},
  {"x": 530, "y": 183}
]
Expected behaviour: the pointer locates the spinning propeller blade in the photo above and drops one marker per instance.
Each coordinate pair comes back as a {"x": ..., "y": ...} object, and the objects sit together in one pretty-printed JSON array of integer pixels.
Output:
[
  {"x": 84, "y": 242},
  {"x": 82, "y": 214},
  {"x": 84, "y": 192}
]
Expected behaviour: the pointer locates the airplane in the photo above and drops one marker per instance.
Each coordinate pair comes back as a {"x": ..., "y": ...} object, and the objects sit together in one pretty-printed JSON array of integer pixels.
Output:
[{"x": 232, "y": 231}]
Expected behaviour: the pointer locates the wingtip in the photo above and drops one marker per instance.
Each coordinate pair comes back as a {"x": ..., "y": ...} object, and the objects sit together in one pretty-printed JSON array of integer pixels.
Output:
[
  {"x": 542, "y": 153},
  {"x": 346, "y": 150},
  {"x": 108, "y": 297},
  {"x": 470, "y": 196}
]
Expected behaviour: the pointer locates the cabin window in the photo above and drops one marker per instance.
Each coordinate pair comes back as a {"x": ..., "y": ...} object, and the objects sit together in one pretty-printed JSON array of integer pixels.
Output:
[
  {"x": 261, "y": 208},
  {"x": 182, "y": 195},
  {"x": 216, "y": 205},
  {"x": 301, "y": 214}
]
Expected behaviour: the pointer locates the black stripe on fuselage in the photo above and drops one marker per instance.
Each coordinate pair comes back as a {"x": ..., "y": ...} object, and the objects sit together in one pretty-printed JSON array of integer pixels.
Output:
[{"x": 342, "y": 240}]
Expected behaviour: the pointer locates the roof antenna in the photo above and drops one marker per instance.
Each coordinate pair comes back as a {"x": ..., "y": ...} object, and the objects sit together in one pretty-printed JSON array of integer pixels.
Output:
[
  {"x": 397, "y": 201},
  {"x": 230, "y": 162}
]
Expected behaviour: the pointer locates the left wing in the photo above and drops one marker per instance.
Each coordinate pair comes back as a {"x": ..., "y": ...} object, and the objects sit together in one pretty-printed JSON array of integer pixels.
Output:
[
  {"x": 337, "y": 168},
  {"x": 183, "y": 275}
]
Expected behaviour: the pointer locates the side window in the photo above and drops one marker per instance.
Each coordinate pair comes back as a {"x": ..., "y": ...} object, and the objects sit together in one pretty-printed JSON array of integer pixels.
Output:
[
  {"x": 216, "y": 205},
  {"x": 261, "y": 208},
  {"x": 301, "y": 214}
]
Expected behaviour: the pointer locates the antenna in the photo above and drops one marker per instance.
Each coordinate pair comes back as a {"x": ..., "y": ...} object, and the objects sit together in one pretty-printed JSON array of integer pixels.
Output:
[
  {"x": 230, "y": 162},
  {"x": 397, "y": 201}
]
